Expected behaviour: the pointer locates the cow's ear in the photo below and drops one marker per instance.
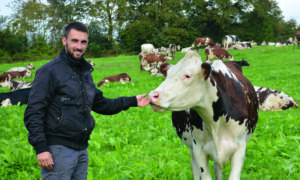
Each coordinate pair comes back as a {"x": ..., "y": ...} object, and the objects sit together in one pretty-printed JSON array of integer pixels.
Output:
[
  {"x": 164, "y": 67},
  {"x": 206, "y": 70}
]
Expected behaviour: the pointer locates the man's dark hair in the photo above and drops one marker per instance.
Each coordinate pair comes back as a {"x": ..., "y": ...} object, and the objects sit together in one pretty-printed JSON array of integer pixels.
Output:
[{"x": 75, "y": 25}]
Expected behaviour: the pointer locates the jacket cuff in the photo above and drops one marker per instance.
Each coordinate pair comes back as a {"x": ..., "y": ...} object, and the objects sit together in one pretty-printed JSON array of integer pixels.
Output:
[
  {"x": 41, "y": 147},
  {"x": 134, "y": 101},
  {"x": 130, "y": 102}
]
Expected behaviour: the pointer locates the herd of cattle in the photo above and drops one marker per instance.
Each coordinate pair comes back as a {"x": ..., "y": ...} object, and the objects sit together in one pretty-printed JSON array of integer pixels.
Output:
[{"x": 214, "y": 106}]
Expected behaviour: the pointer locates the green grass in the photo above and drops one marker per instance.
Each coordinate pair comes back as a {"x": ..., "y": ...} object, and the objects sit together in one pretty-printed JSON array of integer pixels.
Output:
[{"x": 142, "y": 144}]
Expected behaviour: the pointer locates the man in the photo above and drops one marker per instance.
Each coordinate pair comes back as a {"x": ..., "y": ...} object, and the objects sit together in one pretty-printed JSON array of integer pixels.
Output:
[{"x": 58, "y": 114}]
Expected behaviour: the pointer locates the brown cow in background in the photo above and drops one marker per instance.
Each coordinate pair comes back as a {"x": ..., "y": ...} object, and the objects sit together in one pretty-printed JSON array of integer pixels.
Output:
[
  {"x": 206, "y": 41},
  {"x": 122, "y": 78}
]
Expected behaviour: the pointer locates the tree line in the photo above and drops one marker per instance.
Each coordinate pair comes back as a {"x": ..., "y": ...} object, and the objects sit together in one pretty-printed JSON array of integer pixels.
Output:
[{"x": 35, "y": 29}]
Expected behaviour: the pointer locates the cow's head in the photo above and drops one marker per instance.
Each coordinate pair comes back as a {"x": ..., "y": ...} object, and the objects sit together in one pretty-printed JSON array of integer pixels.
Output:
[
  {"x": 185, "y": 85},
  {"x": 101, "y": 83},
  {"x": 30, "y": 66}
]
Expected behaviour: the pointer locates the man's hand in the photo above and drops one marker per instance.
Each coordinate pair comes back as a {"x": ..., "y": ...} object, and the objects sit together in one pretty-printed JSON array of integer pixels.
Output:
[
  {"x": 45, "y": 160},
  {"x": 142, "y": 101}
]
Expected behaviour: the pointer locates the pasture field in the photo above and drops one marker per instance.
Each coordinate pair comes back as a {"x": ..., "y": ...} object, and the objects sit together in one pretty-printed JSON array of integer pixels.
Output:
[{"x": 142, "y": 144}]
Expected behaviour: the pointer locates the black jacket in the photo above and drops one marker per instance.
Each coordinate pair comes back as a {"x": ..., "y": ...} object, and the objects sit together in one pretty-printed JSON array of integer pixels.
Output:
[{"x": 59, "y": 107}]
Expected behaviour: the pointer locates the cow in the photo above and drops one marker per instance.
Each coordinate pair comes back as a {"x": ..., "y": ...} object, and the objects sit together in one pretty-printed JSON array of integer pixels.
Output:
[
  {"x": 152, "y": 60},
  {"x": 16, "y": 97},
  {"x": 7, "y": 83},
  {"x": 147, "y": 48},
  {"x": 273, "y": 100},
  {"x": 6, "y": 103},
  {"x": 204, "y": 41},
  {"x": 16, "y": 85},
  {"x": 91, "y": 63},
  {"x": 221, "y": 53},
  {"x": 14, "y": 75},
  {"x": 122, "y": 78},
  {"x": 172, "y": 50},
  {"x": 245, "y": 44},
  {"x": 229, "y": 40},
  {"x": 297, "y": 40},
  {"x": 224, "y": 99},
  {"x": 28, "y": 67}
]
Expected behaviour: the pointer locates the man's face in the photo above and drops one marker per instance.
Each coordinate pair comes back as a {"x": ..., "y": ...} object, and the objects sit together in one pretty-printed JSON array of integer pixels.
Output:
[{"x": 76, "y": 43}]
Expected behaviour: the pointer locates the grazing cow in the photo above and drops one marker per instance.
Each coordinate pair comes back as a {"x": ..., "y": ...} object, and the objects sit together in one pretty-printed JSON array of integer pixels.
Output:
[
  {"x": 273, "y": 100},
  {"x": 224, "y": 99},
  {"x": 206, "y": 41},
  {"x": 147, "y": 48},
  {"x": 14, "y": 75},
  {"x": 172, "y": 50},
  {"x": 220, "y": 53},
  {"x": 122, "y": 78},
  {"x": 28, "y": 67},
  {"x": 15, "y": 97},
  {"x": 152, "y": 60},
  {"x": 297, "y": 40},
  {"x": 230, "y": 40}
]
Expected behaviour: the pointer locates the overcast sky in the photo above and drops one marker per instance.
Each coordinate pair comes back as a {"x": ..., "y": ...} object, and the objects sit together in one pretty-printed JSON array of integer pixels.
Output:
[{"x": 290, "y": 9}]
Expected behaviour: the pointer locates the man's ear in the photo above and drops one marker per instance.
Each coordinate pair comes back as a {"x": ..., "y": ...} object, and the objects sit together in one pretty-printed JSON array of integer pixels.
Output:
[
  {"x": 64, "y": 40},
  {"x": 206, "y": 70}
]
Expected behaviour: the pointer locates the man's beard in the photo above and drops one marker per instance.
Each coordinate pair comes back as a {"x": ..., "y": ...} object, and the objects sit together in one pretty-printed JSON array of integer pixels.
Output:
[{"x": 72, "y": 54}]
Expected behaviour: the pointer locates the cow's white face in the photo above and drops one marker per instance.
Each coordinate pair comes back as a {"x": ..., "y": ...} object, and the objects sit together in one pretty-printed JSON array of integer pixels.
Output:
[{"x": 185, "y": 86}]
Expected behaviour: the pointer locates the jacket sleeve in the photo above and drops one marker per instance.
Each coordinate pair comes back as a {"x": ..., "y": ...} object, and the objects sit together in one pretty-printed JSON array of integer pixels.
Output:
[
  {"x": 40, "y": 95},
  {"x": 106, "y": 106}
]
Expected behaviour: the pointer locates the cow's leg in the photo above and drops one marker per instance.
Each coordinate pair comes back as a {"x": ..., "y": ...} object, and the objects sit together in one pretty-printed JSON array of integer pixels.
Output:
[
  {"x": 237, "y": 161},
  {"x": 218, "y": 171},
  {"x": 194, "y": 166},
  {"x": 201, "y": 160}
]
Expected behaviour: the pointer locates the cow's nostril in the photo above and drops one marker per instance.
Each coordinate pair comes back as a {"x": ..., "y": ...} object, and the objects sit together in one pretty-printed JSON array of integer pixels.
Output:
[{"x": 156, "y": 95}]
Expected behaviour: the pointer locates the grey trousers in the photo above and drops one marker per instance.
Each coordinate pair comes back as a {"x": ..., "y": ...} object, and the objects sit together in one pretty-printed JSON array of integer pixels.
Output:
[{"x": 69, "y": 164}]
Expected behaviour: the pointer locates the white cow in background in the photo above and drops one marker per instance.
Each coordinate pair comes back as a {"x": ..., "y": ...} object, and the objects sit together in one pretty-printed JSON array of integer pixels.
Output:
[{"x": 147, "y": 48}]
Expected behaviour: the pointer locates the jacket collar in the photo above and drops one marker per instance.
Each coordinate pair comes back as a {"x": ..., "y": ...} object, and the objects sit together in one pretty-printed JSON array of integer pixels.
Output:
[{"x": 82, "y": 64}]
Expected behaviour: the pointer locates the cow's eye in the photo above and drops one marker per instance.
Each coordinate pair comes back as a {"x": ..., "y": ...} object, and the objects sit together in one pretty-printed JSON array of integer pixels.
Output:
[{"x": 187, "y": 76}]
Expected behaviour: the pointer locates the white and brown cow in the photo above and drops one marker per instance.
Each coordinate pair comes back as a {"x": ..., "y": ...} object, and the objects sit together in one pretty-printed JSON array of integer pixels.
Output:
[
  {"x": 223, "y": 98},
  {"x": 14, "y": 75},
  {"x": 28, "y": 67},
  {"x": 122, "y": 78},
  {"x": 273, "y": 100},
  {"x": 217, "y": 53},
  {"x": 204, "y": 41},
  {"x": 151, "y": 62}
]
